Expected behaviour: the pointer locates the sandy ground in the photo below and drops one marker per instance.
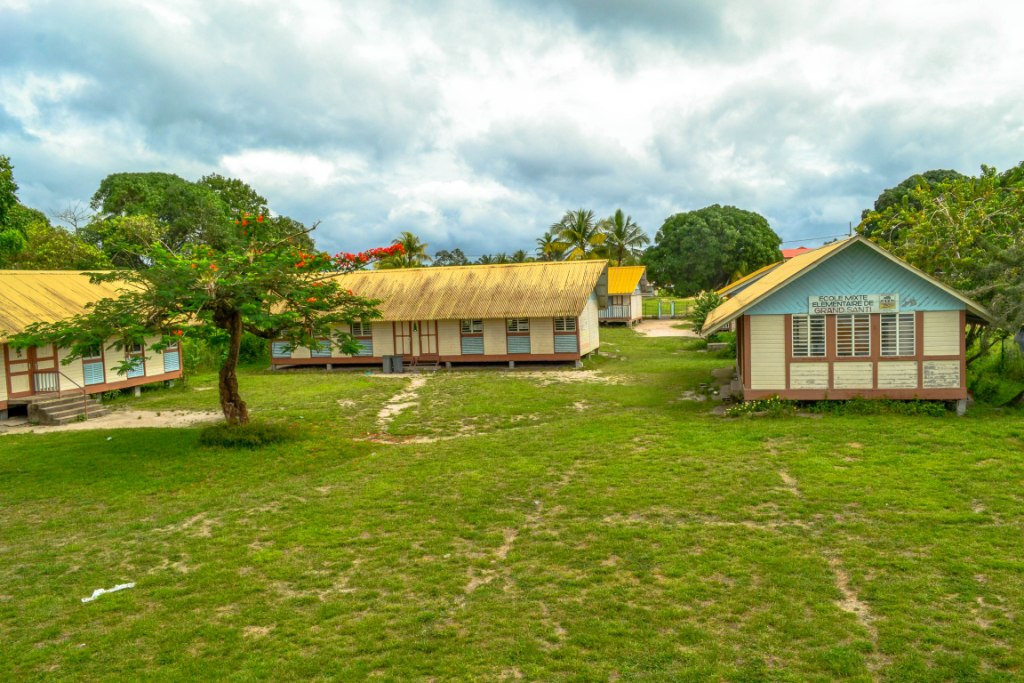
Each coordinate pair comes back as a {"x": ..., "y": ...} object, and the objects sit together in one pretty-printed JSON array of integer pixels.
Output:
[
  {"x": 663, "y": 328},
  {"x": 119, "y": 419}
]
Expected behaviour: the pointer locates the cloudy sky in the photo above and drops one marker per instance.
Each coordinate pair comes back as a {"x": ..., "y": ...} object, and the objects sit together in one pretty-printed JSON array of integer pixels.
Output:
[{"x": 477, "y": 124}]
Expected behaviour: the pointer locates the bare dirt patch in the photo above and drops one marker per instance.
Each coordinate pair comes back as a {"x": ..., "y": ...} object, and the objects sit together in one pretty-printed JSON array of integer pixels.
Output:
[
  {"x": 403, "y": 400},
  {"x": 549, "y": 377},
  {"x": 119, "y": 419},
  {"x": 790, "y": 483},
  {"x": 664, "y": 328}
]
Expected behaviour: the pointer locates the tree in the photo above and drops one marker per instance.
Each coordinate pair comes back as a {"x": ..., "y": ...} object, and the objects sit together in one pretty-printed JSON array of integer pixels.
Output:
[
  {"x": 549, "y": 248},
  {"x": 240, "y": 199},
  {"x": 272, "y": 289},
  {"x": 580, "y": 233},
  {"x": 51, "y": 247},
  {"x": 702, "y": 249},
  {"x": 12, "y": 221},
  {"x": 622, "y": 237},
  {"x": 186, "y": 212},
  {"x": 413, "y": 253},
  {"x": 967, "y": 232},
  {"x": 896, "y": 196},
  {"x": 455, "y": 257},
  {"x": 519, "y": 256}
]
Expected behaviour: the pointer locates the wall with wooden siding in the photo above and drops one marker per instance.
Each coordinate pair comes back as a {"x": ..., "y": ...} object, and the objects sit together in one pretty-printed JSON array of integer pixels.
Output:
[
  {"x": 942, "y": 333},
  {"x": 154, "y": 359},
  {"x": 72, "y": 370},
  {"x": 542, "y": 335},
  {"x": 449, "y": 337},
  {"x": 897, "y": 374},
  {"x": 940, "y": 374},
  {"x": 768, "y": 361},
  {"x": 494, "y": 337},
  {"x": 3, "y": 375},
  {"x": 589, "y": 327},
  {"x": 808, "y": 376},
  {"x": 858, "y": 270},
  {"x": 383, "y": 339},
  {"x": 636, "y": 306},
  {"x": 853, "y": 375}
]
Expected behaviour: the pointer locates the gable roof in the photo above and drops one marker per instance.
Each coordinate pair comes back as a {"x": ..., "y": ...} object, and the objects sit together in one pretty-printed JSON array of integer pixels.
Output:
[
  {"x": 800, "y": 265},
  {"x": 624, "y": 279},
  {"x": 515, "y": 290},
  {"x": 32, "y": 296},
  {"x": 736, "y": 286}
]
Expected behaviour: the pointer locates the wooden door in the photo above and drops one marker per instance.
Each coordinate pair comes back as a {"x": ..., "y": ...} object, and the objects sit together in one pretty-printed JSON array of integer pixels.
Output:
[
  {"x": 31, "y": 371},
  {"x": 428, "y": 336},
  {"x": 403, "y": 338}
]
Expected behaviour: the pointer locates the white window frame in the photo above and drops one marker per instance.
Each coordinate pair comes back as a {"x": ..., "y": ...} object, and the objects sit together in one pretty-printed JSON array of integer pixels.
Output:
[
  {"x": 859, "y": 327},
  {"x": 517, "y": 325},
  {"x": 898, "y": 334},
  {"x": 808, "y": 336},
  {"x": 472, "y": 327},
  {"x": 565, "y": 323},
  {"x": 361, "y": 329}
]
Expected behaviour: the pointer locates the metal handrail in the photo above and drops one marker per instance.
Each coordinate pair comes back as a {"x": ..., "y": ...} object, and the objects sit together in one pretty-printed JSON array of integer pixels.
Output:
[{"x": 60, "y": 392}]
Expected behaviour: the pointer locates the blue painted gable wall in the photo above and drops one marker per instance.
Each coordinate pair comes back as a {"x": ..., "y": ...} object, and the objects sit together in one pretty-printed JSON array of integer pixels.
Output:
[{"x": 858, "y": 270}]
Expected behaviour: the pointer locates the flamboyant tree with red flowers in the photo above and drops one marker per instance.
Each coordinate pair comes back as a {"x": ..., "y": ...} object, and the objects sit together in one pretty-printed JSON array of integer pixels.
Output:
[{"x": 272, "y": 288}]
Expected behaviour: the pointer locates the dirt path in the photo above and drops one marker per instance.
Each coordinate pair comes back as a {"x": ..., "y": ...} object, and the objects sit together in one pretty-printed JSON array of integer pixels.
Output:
[
  {"x": 663, "y": 328},
  {"x": 119, "y": 419}
]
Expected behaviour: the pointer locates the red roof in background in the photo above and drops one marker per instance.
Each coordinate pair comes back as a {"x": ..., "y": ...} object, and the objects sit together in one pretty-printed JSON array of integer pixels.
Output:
[{"x": 790, "y": 253}]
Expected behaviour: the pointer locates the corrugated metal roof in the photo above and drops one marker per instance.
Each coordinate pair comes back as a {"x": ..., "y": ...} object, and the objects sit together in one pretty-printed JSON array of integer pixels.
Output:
[
  {"x": 624, "y": 279},
  {"x": 30, "y": 296},
  {"x": 798, "y": 266},
  {"x": 747, "y": 280},
  {"x": 491, "y": 291}
]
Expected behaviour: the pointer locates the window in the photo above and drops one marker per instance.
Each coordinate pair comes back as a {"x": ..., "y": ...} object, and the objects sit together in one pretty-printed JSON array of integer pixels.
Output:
[
  {"x": 853, "y": 335},
  {"x": 93, "y": 353},
  {"x": 472, "y": 327},
  {"x": 898, "y": 334},
  {"x": 808, "y": 336},
  {"x": 518, "y": 325},
  {"x": 361, "y": 329},
  {"x": 92, "y": 366},
  {"x": 138, "y": 368},
  {"x": 565, "y": 324}
]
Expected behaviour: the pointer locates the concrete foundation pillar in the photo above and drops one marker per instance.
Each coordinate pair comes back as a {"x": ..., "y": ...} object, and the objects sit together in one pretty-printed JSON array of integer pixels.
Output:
[
  {"x": 3, "y": 414},
  {"x": 330, "y": 367},
  {"x": 578, "y": 364},
  {"x": 961, "y": 407},
  {"x": 511, "y": 365},
  {"x": 137, "y": 391},
  {"x": 447, "y": 365}
]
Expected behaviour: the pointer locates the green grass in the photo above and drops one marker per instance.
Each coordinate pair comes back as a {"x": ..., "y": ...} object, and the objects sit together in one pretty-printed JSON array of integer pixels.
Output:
[{"x": 571, "y": 531}]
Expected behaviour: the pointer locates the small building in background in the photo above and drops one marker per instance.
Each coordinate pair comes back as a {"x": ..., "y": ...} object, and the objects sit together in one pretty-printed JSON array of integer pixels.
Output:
[
  {"x": 796, "y": 251},
  {"x": 626, "y": 285},
  {"x": 849, "y": 320},
  {"x": 520, "y": 312},
  {"x": 38, "y": 374}
]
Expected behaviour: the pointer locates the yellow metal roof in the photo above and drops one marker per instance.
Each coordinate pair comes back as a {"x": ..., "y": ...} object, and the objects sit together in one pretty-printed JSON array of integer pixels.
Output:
[
  {"x": 31, "y": 296},
  {"x": 804, "y": 263},
  {"x": 736, "y": 284},
  {"x": 624, "y": 279},
  {"x": 543, "y": 289}
]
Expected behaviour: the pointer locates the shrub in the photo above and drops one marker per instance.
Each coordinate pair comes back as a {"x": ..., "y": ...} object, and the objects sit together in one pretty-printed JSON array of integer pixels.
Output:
[
  {"x": 863, "y": 406},
  {"x": 773, "y": 406},
  {"x": 251, "y": 435},
  {"x": 703, "y": 304}
]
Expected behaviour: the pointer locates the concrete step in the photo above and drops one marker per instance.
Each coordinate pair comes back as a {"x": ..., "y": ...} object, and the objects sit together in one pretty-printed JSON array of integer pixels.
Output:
[
  {"x": 72, "y": 411},
  {"x": 76, "y": 418}
]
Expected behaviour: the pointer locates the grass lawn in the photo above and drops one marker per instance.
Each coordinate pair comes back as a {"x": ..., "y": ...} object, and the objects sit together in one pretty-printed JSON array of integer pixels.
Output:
[
  {"x": 518, "y": 528},
  {"x": 682, "y": 306}
]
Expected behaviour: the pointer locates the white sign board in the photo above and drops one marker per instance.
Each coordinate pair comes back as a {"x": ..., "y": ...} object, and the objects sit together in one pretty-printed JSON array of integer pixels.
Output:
[{"x": 824, "y": 304}]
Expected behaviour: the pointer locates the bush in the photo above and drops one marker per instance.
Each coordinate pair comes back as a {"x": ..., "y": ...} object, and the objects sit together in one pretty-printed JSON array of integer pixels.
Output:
[
  {"x": 773, "y": 406},
  {"x": 703, "y": 304},
  {"x": 252, "y": 435},
  {"x": 863, "y": 406}
]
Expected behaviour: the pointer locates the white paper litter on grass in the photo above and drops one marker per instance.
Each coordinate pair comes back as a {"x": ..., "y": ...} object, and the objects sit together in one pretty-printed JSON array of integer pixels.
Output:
[{"x": 100, "y": 591}]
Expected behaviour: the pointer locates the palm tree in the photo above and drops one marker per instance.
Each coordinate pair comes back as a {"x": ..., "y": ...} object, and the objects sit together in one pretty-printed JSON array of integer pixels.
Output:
[
  {"x": 548, "y": 246},
  {"x": 580, "y": 233},
  {"x": 413, "y": 256},
  {"x": 520, "y": 256},
  {"x": 622, "y": 236}
]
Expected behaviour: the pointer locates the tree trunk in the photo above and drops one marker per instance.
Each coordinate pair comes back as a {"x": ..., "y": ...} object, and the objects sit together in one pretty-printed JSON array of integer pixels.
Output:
[{"x": 235, "y": 410}]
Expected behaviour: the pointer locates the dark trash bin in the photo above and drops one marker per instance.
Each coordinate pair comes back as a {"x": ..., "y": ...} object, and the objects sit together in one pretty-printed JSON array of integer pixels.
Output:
[{"x": 392, "y": 364}]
